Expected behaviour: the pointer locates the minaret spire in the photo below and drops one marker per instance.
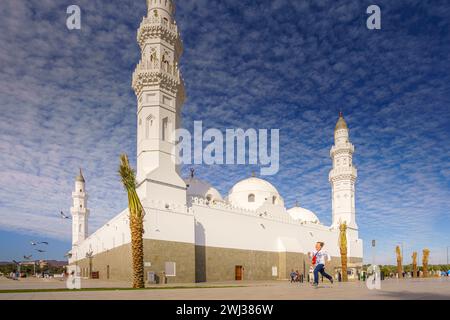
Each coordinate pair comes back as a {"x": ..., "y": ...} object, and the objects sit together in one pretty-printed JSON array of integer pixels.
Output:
[{"x": 80, "y": 176}]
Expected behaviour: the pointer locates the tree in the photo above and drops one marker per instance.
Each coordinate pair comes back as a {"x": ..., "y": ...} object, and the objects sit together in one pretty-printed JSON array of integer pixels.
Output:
[
  {"x": 399, "y": 261},
  {"x": 414, "y": 259},
  {"x": 136, "y": 216},
  {"x": 343, "y": 249},
  {"x": 426, "y": 255}
]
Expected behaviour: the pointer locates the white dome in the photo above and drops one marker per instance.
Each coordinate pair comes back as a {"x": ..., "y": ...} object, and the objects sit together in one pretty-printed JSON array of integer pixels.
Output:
[
  {"x": 253, "y": 184},
  {"x": 252, "y": 193},
  {"x": 302, "y": 214},
  {"x": 202, "y": 189}
]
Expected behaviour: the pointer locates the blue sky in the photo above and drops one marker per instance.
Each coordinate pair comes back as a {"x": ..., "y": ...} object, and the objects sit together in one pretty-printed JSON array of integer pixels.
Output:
[{"x": 66, "y": 102}]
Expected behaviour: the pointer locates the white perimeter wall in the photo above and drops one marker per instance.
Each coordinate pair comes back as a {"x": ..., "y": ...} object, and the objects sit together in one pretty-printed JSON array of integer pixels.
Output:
[
  {"x": 219, "y": 226},
  {"x": 225, "y": 228},
  {"x": 175, "y": 223}
]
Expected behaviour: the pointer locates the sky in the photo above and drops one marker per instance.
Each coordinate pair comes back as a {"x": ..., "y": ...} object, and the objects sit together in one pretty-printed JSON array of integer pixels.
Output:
[{"x": 66, "y": 102}]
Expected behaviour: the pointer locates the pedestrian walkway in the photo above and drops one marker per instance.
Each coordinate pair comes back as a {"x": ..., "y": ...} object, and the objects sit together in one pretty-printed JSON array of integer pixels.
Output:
[{"x": 392, "y": 289}]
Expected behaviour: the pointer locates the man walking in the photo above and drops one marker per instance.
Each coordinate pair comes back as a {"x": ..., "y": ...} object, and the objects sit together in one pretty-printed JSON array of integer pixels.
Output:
[{"x": 318, "y": 260}]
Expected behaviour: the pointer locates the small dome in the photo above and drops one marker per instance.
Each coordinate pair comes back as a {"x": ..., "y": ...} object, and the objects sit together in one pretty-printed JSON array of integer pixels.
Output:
[
  {"x": 302, "y": 214},
  {"x": 202, "y": 189},
  {"x": 253, "y": 192},
  {"x": 80, "y": 177},
  {"x": 253, "y": 184},
  {"x": 341, "y": 124}
]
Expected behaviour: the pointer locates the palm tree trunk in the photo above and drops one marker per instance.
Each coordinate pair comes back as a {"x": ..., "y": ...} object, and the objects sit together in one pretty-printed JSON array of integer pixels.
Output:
[
  {"x": 344, "y": 267},
  {"x": 414, "y": 257},
  {"x": 136, "y": 216},
  {"x": 426, "y": 254},
  {"x": 137, "y": 251},
  {"x": 343, "y": 249},
  {"x": 399, "y": 262}
]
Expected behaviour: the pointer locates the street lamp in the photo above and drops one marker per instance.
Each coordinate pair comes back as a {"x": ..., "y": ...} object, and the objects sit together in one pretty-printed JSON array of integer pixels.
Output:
[{"x": 373, "y": 251}]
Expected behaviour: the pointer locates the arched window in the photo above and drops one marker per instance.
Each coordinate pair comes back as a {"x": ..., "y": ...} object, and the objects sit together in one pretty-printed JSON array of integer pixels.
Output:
[
  {"x": 251, "y": 197},
  {"x": 209, "y": 197},
  {"x": 274, "y": 199}
]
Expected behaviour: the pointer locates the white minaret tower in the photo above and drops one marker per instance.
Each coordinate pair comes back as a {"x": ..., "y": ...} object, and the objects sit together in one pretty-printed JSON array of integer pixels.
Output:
[
  {"x": 79, "y": 211},
  {"x": 343, "y": 177},
  {"x": 159, "y": 88}
]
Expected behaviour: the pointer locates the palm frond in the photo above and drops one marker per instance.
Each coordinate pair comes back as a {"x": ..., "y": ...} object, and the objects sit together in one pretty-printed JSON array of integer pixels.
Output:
[{"x": 127, "y": 173}]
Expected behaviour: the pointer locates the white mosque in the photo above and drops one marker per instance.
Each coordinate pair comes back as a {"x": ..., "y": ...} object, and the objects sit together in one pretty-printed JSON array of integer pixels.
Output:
[{"x": 192, "y": 233}]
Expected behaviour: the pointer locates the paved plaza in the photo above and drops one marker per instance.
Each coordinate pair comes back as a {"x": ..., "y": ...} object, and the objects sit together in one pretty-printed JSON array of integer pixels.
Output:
[{"x": 392, "y": 289}]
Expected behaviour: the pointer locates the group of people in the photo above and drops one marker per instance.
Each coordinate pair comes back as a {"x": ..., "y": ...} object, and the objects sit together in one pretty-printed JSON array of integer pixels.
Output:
[
  {"x": 318, "y": 259},
  {"x": 296, "y": 276}
]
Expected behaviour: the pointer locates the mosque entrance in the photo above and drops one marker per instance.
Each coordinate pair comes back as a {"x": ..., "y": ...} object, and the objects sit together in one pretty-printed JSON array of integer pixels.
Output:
[{"x": 239, "y": 273}]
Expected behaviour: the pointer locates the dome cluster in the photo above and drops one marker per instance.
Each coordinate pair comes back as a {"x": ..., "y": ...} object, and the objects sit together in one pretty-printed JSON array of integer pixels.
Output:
[{"x": 251, "y": 194}]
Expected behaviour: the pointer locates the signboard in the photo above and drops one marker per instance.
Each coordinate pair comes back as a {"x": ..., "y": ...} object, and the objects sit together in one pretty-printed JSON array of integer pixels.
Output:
[{"x": 274, "y": 271}]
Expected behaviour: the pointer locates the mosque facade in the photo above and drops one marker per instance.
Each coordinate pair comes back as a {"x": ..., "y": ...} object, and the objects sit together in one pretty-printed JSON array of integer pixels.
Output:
[{"x": 192, "y": 233}]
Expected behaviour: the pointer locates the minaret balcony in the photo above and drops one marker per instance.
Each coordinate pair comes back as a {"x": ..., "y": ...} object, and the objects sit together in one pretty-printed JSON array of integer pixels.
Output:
[
  {"x": 157, "y": 27},
  {"x": 152, "y": 74},
  {"x": 343, "y": 173},
  {"x": 344, "y": 147}
]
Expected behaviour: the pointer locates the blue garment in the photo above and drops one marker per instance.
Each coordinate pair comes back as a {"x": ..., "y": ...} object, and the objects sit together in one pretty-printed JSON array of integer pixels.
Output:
[{"x": 320, "y": 268}]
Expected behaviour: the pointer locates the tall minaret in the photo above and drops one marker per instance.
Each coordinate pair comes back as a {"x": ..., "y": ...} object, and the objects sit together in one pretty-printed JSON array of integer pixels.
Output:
[
  {"x": 343, "y": 177},
  {"x": 159, "y": 88},
  {"x": 79, "y": 211}
]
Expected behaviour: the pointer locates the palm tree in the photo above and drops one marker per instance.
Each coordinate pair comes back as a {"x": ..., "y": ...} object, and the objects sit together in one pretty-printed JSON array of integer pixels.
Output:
[
  {"x": 137, "y": 213},
  {"x": 426, "y": 255},
  {"x": 343, "y": 248},
  {"x": 414, "y": 258},
  {"x": 399, "y": 262}
]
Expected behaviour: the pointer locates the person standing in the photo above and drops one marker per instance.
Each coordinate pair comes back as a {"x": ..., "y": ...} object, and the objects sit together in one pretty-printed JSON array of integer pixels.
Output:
[
  {"x": 318, "y": 261},
  {"x": 293, "y": 274}
]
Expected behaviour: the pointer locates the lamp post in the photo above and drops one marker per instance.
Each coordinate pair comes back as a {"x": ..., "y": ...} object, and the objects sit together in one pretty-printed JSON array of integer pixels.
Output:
[{"x": 373, "y": 251}]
